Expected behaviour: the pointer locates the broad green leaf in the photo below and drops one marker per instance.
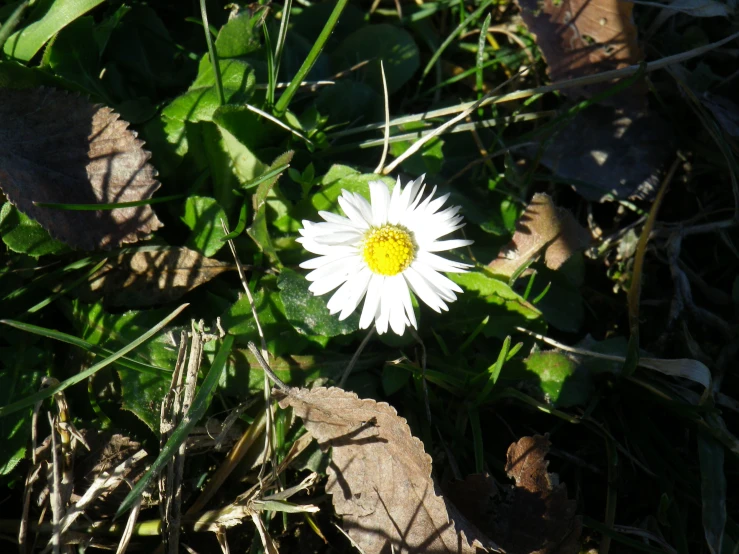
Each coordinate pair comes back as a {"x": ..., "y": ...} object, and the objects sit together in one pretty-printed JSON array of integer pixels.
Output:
[
  {"x": 393, "y": 45},
  {"x": 25, "y": 43},
  {"x": 713, "y": 491},
  {"x": 74, "y": 55},
  {"x": 232, "y": 164},
  {"x": 83, "y": 375},
  {"x": 308, "y": 313},
  {"x": 560, "y": 379},
  {"x": 201, "y": 100},
  {"x": 141, "y": 392},
  {"x": 350, "y": 101},
  {"x": 394, "y": 378},
  {"x": 238, "y": 37},
  {"x": 562, "y": 305},
  {"x": 258, "y": 230},
  {"x": 487, "y": 296},
  {"x": 22, "y": 234},
  {"x": 142, "y": 60},
  {"x": 179, "y": 435},
  {"x": 203, "y": 217},
  {"x": 15, "y": 75},
  {"x": 339, "y": 178},
  {"x": 238, "y": 319}
]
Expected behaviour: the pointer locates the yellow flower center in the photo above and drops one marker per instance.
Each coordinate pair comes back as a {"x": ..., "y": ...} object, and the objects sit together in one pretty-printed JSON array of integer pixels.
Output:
[{"x": 389, "y": 249}]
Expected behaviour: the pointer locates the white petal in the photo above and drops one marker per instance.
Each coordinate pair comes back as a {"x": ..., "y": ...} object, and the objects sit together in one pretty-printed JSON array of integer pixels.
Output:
[
  {"x": 371, "y": 301},
  {"x": 442, "y": 245},
  {"x": 386, "y": 303},
  {"x": 380, "y": 196},
  {"x": 443, "y": 286},
  {"x": 405, "y": 297},
  {"x": 353, "y": 212},
  {"x": 399, "y": 296},
  {"x": 343, "y": 266},
  {"x": 441, "y": 264},
  {"x": 359, "y": 284},
  {"x": 423, "y": 290},
  {"x": 327, "y": 284}
]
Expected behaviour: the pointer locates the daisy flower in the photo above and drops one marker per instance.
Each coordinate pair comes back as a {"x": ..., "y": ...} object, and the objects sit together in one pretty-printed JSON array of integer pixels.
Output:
[{"x": 381, "y": 251}]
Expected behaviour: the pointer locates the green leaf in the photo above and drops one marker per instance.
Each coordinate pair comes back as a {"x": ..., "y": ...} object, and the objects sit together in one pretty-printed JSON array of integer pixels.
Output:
[
  {"x": 23, "y": 235},
  {"x": 83, "y": 375},
  {"x": 713, "y": 491},
  {"x": 428, "y": 160},
  {"x": 350, "y": 101},
  {"x": 238, "y": 319},
  {"x": 18, "y": 379},
  {"x": 15, "y": 75},
  {"x": 203, "y": 217},
  {"x": 74, "y": 55},
  {"x": 394, "y": 378},
  {"x": 483, "y": 296},
  {"x": 559, "y": 378},
  {"x": 238, "y": 37},
  {"x": 393, "y": 45},
  {"x": 258, "y": 230},
  {"x": 337, "y": 179},
  {"x": 25, "y": 43},
  {"x": 179, "y": 435},
  {"x": 141, "y": 390},
  {"x": 308, "y": 313},
  {"x": 562, "y": 305},
  {"x": 201, "y": 100}
]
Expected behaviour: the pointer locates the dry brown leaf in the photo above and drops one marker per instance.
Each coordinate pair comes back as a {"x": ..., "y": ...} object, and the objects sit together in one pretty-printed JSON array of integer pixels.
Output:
[
  {"x": 584, "y": 37},
  {"x": 380, "y": 476},
  {"x": 476, "y": 497},
  {"x": 56, "y": 147},
  {"x": 539, "y": 518},
  {"x": 151, "y": 276},
  {"x": 543, "y": 227},
  {"x": 610, "y": 153}
]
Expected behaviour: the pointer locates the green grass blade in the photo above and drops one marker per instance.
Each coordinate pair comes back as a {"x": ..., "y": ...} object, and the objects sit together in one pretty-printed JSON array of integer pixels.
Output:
[
  {"x": 24, "y": 44},
  {"x": 454, "y": 34},
  {"x": 240, "y": 226},
  {"x": 310, "y": 60},
  {"x": 11, "y": 23},
  {"x": 474, "y": 416},
  {"x": 265, "y": 177},
  {"x": 47, "y": 393},
  {"x": 95, "y": 349},
  {"x": 197, "y": 410},
  {"x": 713, "y": 491},
  {"x": 110, "y": 206},
  {"x": 480, "y": 58},
  {"x": 494, "y": 371},
  {"x": 49, "y": 299},
  {"x": 212, "y": 53}
]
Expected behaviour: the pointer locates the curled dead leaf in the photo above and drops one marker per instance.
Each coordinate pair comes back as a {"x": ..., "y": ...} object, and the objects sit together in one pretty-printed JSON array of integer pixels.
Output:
[
  {"x": 538, "y": 517},
  {"x": 151, "y": 275},
  {"x": 543, "y": 227},
  {"x": 57, "y": 147},
  {"x": 584, "y": 37},
  {"x": 380, "y": 476}
]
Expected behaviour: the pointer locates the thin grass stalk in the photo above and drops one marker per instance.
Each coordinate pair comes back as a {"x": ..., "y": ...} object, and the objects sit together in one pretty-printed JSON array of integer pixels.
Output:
[
  {"x": 454, "y": 34},
  {"x": 554, "y": 87}
]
